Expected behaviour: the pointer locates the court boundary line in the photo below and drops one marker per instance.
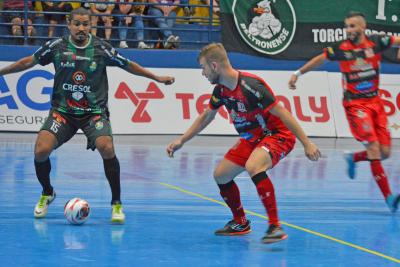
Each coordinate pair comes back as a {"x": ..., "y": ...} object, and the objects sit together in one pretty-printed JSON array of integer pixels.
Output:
[{"x": 376, "y": 253}]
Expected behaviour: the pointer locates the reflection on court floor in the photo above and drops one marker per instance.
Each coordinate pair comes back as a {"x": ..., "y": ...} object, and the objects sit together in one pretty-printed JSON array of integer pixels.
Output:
[{"x": 173, "y": 207}]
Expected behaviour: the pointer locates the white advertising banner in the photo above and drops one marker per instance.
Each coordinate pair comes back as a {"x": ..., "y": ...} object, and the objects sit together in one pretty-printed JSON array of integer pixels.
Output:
[
  {"x": 390, "y": 93},
  {"x": 141, "y": 106}
]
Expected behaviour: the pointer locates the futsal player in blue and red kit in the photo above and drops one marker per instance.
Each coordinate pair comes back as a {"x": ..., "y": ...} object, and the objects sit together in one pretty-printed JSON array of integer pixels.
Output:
[
  {"x": 267, "y": 134},
  {"x": 359, "y": 57}
]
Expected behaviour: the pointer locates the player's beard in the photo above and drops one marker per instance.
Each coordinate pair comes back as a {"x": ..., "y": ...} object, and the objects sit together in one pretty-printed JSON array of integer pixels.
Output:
[
  {"x": 80, "y": 38},
  {"x": 354, "y": 38}
]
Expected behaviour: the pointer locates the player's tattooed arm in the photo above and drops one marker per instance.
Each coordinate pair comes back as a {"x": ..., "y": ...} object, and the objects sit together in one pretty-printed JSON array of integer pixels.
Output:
[{"x": 22, "y": 64}]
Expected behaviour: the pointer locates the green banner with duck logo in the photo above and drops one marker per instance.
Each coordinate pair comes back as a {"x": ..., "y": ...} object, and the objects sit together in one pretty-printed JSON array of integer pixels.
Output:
[{"x": 299, "y": 30}]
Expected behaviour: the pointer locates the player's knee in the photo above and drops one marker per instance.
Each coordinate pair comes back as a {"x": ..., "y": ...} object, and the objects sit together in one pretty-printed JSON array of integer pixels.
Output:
[
  {"x": 253, "y": 168},
  {"x": 220, "y": 178},
  {"x": 217, "y": 175},
  {"x": 105, "y": 148},
  {"x": 373, "y": 150},
  {"x": 42, "y": 150}
]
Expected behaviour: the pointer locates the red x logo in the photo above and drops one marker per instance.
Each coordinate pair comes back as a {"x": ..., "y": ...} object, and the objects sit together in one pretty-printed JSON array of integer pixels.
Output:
[{"x": 140, "y": 100}]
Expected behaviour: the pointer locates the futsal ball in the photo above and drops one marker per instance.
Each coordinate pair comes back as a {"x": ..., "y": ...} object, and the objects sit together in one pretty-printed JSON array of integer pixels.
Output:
[{"x": 77, "y": 211}]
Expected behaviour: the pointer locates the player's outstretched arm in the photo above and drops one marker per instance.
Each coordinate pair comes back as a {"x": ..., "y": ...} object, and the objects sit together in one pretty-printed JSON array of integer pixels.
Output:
[
  {"x": 310, "y": 149},
  {"x": 198, "y": 125},
  {"x": 22, "y": 64},
  {"x": 315, "y": 62},
  {"x": 136, "y": 69}
]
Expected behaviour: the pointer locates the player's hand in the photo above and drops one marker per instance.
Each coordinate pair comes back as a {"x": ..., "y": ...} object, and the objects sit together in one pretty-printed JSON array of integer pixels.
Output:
[
  {"x": 167, "y": 80},
  {"x": 292, "y": 82},
  {"x": 312, "y": 152},
  {"x": 174, "y": 146}
]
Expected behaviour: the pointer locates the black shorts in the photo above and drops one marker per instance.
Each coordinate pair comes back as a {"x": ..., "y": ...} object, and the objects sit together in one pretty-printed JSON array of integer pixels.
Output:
[{"x": 64, "y": 126}]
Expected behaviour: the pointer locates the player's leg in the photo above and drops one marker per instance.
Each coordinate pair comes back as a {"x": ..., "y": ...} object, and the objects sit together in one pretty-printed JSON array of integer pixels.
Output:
[
  {"x": 266, "y": 155},
  {"x": 55, "y": 131},
  {"x": 361, "y": 125},
  {"x": 368, "y": 125},
  {"x": 98, "y": 131},
  {"x": 384, "y": 142},
  {"x": 225, "y": 172}
]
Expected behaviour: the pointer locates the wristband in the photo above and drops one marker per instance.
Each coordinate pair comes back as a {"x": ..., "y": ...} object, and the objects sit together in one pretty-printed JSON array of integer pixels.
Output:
[{"x": 297, "y": 73}]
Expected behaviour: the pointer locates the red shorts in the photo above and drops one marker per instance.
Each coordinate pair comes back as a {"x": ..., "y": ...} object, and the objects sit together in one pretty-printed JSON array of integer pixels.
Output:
[
  {"x": 368, "y": 121},
  {"x": 277, "y": 145}
]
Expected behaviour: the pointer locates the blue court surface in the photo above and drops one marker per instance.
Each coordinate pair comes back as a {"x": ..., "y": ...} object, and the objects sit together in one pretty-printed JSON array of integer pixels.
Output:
[{"x": 173, "y": 207}]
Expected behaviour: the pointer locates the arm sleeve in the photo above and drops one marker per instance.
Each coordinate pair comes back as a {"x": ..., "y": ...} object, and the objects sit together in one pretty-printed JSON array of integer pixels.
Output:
[
  {"x": 382, "y": 42},
  {"x": 215, "y": 100},
  {"x": 266, "y": 97},
  {"x": 113, "y": 58},
  {"x": 333, "y": 52}
]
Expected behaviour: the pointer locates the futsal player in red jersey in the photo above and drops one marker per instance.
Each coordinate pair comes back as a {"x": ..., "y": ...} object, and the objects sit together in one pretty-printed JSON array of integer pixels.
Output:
[
  {"x": 359, "y": 58},
  {"x": 267, "y": 130}
]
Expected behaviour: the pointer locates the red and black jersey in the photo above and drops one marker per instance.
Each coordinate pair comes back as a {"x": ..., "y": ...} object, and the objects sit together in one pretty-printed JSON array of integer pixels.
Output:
[
  {"x": 360, "y": 64},
  {"x": 248, "y": 106}
]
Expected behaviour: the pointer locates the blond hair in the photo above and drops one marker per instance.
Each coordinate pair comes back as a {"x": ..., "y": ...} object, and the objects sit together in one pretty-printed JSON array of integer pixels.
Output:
[{"x": 214, "y": 52}]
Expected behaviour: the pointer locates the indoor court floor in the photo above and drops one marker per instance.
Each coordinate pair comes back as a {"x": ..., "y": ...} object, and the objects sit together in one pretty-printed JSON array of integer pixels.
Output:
[{"x": 173, "y": 208}]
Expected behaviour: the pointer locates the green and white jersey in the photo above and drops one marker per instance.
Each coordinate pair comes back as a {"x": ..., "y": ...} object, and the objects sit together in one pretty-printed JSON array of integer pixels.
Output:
[{"x": 80, "y": 81}]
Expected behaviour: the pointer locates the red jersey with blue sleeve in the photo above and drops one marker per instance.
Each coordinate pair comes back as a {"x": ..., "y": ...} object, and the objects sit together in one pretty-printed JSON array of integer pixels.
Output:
[
  {"x": 248, "y": 106},
  {"x": 360, "y": 64}
]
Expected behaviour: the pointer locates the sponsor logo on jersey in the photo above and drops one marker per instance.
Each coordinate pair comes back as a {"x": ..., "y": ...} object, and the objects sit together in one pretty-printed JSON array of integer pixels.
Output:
[
  {"x": 364, "y": 86},
  {"x": 241, "y": 107},
  {"x": 330, "y": 51},
  {"x": 93, "y": 66},
  {"x": 79, "y": 58},
  {"x": 77, "y": 95},
  {"x": 215, "y": 99},
  {"x": 67, "y": 64},
  {"x": 79, "y": 77},
  {"x": 99, "y": 125},
  {"x": 76, "y": 87},
  {"x": 268, "y": 26},
  {"x": 246, "y": 135},
  {"x": 361, "y": 64}
]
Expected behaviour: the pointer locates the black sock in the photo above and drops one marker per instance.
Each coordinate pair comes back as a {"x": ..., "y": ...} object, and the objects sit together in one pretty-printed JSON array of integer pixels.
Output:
[
  {"x": 112, "y": 170},
  {"x": 43, "y": 175}
]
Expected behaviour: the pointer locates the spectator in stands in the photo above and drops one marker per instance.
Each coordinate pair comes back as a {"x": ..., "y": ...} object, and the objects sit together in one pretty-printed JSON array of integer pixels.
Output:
[
  {"x": 202, "y": 14},
  {"x": 101, "y": 10},
  {"x": 133, "y": 14},
  {"x": 164, "y": 16},
  {"x": 16, "y": 16},
  {"x": 54, "y": 19}
]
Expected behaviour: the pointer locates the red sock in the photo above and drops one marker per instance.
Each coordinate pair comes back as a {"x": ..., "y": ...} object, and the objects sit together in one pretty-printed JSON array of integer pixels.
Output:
[
  {"x": 231, "y": 194},
  {"x": 360, "y": 156},
  {"x": 380, "y": 177},
  {"x": 266, "y": 192}
]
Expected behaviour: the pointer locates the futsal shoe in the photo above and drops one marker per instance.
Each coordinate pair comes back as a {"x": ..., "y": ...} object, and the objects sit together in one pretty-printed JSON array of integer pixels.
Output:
[
  {"x": 393, "y": 202},
  {"x": 117, "y": 213},
  {"x": 43, "y": 205},
  {"x": 234, "y": 228},
  {"x": 351, "y": 165},
  {"x": 274, "y": 234}
]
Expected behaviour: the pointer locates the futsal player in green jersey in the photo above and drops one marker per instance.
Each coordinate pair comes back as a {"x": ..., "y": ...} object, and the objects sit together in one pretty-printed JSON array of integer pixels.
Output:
[{"x": 79, "y": 101}]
